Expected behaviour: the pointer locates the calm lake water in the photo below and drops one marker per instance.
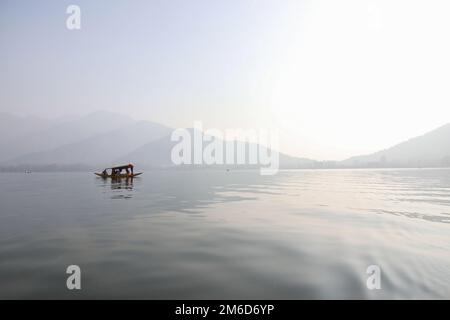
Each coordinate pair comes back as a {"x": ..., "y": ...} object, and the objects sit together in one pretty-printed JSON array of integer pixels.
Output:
[{"x": 217, "y": 234}]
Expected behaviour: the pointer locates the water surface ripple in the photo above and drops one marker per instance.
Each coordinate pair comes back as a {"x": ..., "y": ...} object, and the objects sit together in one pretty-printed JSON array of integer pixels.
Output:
[{"x": 218, "y": 234}]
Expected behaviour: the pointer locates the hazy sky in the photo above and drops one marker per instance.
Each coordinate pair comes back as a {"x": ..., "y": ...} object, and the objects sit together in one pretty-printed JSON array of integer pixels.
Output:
[{"x": 338, "y": 78}]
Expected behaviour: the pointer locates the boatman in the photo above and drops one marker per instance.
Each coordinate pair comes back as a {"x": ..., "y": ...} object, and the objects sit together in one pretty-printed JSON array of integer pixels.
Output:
[{"x": 131, "y": 167}]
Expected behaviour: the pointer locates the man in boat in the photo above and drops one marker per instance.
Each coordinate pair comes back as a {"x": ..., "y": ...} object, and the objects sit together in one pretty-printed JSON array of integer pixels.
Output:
[{"x": 130, "y": 167}]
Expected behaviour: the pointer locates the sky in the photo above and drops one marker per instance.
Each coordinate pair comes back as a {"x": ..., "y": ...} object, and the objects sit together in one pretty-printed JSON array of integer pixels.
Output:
[{"x": 335, "y": 78}]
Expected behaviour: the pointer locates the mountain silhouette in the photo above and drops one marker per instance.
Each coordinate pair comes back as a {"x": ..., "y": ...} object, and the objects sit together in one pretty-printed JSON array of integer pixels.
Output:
[{"x": 429, "y": 150}]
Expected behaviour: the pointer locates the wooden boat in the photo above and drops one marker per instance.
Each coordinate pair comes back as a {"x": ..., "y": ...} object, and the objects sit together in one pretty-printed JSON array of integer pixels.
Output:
[
  {"x": 118, "y": 172},
  {"x": 118, "y": 176}
]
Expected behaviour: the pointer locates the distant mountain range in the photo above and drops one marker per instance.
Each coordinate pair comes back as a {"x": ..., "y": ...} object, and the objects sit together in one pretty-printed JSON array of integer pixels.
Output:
[
  {"x": 32, "y": 135},
  {"x": 103, "y": 148},
  {"x": 429, "y": 150},
  {"x": 158, "y": 153},
  {"x": 97, "y": 140},
  {"x": 102, "y": 139}
]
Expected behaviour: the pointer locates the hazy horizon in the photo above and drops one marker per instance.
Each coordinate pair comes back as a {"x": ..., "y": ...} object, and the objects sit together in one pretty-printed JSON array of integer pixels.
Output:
[
  {"x": 58, "y": 120},
  {"x": 337, "y": 79}
]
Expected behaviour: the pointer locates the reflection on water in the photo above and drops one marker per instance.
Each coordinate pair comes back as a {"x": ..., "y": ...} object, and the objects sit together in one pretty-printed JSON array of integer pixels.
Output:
[
  {"x": 219, "y": 234},
  {"x": 121, "y": 188}
]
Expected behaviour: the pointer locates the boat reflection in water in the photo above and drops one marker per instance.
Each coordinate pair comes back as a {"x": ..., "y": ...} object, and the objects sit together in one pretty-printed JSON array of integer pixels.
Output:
[
  {"x": 119, "y": 187},
  {"x": 122, "y": 188}
]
